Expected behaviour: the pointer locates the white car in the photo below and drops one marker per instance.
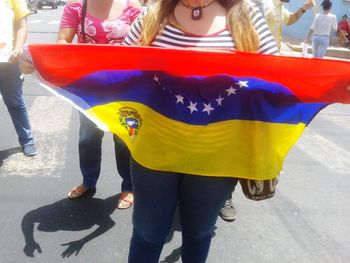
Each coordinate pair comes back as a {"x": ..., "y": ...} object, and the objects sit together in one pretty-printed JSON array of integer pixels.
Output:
[{"x": 52, "y": 3}]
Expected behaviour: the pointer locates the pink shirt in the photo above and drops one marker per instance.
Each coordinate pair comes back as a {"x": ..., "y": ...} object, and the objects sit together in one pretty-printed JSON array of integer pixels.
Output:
[
  {"x": 344, "y": 26},
  {"x": 99, "y": 31}
]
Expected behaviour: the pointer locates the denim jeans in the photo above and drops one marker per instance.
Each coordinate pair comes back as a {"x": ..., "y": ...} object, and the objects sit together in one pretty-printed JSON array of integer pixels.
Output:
[
  {"x": 12, "y": 94},
  {"x": 90, "y": 151},
  {"x": 319, "y": 45},
  {"x": 157, "y": 194}
]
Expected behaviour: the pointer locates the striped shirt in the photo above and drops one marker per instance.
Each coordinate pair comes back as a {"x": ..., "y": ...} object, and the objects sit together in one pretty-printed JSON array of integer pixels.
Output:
[{"x": 172, "y": 37}]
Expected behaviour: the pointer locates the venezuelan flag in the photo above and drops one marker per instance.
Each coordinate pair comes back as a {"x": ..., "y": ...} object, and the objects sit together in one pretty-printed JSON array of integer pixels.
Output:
[{"x": 208, "y": 113}]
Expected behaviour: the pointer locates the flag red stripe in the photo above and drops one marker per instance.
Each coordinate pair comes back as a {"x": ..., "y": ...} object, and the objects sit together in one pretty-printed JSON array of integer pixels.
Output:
[{"x": 314, "y": 80}]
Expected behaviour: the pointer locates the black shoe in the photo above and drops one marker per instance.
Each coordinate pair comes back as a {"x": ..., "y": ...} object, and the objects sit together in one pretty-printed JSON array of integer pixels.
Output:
[{"x": 29, "y": 150}]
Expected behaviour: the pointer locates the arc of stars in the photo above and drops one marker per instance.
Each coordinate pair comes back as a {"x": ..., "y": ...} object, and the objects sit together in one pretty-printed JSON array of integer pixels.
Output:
[{"x": 207, "y": 107}]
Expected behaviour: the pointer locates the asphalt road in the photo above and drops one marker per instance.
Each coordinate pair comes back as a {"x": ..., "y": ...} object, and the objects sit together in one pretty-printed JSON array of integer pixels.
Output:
[{"x": 308, "y": 220}]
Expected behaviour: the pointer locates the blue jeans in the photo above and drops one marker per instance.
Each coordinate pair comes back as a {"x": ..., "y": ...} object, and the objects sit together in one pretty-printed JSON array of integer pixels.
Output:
[
  {"x": 12, "y": 93},
  {"x": 157, "y": 194},
  {"x": 90, "y": 151},
  {"x": 319, "y": 45}
]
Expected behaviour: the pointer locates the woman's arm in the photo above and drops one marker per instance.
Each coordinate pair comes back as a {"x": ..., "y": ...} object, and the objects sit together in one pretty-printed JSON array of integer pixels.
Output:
[
  {"x": 294, "y": 17},
  {"x": 20, "y": 39},
  {"x": 65, "y": 35},
  {"x": 70, "y": 21},
  {"x": 312, "y": 29},
  {"x": 308, "y": 39}
]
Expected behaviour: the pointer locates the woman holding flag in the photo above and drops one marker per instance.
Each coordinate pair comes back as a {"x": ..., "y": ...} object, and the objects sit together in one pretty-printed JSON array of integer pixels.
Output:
[
  {"x": 97, "y": 22},
  {"x": 209, "y": 24}
]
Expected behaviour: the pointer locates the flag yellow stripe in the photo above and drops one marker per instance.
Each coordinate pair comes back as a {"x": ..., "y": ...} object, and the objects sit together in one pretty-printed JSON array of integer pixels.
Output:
[{"x": 235, "y": 148}]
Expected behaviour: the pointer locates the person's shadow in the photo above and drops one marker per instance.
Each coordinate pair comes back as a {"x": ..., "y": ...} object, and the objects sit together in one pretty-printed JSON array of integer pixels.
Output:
[
  {"x": 7, "y": 153},
  {"x": 71, "y": 215}
]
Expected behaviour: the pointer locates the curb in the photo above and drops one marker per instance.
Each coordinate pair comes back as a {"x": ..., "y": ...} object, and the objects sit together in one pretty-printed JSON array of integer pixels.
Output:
[{"x": 333, "y": 52}]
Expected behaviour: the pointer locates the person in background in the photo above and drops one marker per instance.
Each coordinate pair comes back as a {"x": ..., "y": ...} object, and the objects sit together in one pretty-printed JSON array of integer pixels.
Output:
[
  {"x": 228, "y": 212},
  {"x": 344, "y": 31},
  {"x": 321, "y": 29},
  {"x": 209, "y": 24},
  {"x": 277, "y": 15},
  {"x": 13, "y": 34},
  {"x": 97, "y": 22}
]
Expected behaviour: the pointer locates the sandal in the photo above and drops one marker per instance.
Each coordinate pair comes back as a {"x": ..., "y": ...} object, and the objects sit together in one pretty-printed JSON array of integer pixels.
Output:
[
  {"x": 126, "y": 200},
  {"x": 75, "y": 192}
]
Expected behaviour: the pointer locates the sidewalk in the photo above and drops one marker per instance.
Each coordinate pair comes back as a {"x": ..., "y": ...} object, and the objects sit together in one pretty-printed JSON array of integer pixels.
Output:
[{"x": 291, "y": 47}]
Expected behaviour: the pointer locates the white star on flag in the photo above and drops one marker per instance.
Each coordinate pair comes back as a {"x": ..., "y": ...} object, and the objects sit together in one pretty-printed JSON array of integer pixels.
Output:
[
  {"x": 192, "y": 107},
  {"x": 207, "y": 108},
  {"x": 230, "y": 91},
  {"x": 156, "y": 79},
  {"x": 242, "y": 84},
  {"x": 219, "y": 100},
  {"x": 179, "y": 99}
]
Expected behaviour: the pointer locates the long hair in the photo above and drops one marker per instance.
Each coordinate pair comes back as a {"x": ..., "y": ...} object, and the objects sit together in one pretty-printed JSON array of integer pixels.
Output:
[{"x": 238, "y": 21}]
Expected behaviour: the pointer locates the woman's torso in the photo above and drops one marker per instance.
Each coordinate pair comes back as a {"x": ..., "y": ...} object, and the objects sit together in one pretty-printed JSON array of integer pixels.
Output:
[
  {"x": 323, "y": 24},
  {"x": 97, "y": 30},
  {"x": 172, "y": 36}
]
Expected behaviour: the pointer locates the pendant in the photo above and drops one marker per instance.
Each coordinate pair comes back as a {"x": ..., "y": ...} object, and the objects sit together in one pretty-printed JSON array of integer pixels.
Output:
[{"x": 196, "y": 13}]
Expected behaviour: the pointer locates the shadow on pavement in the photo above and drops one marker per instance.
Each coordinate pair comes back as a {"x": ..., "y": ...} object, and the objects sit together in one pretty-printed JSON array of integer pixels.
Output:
[
  {"x": 176, "y": 253},
  {"x": 7, "y": 153},
  {"x": 69, "y": 215}
]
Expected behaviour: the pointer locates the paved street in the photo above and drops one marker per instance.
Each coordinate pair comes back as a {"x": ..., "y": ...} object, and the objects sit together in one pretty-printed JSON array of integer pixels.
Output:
[{"x": 307, "y": 221}]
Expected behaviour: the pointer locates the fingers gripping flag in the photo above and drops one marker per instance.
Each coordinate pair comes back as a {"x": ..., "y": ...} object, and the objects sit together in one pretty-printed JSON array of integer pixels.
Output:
[{"x": 227, "y": 114}]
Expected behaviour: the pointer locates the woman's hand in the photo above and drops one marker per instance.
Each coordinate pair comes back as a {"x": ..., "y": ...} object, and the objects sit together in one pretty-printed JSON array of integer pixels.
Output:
[
  {"x": 25, "y": 66},
  {"x": 309, "y": 4},
  {"x": 15, "y": 55}
]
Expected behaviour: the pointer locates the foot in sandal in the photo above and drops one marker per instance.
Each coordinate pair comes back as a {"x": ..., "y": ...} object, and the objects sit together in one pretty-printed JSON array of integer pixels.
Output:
[
  {"x": 126, "y": 200},
  {"x": 77, "y": 192}
]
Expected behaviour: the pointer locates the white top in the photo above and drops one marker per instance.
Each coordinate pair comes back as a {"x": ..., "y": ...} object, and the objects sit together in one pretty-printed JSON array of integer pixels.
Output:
[
  {"x": 6, "y": 30},
  {"x": 323, "y": 23}
]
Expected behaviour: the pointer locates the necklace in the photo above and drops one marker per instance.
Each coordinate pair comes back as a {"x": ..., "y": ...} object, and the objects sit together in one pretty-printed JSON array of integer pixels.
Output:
[{"x": 196, "y": 12}]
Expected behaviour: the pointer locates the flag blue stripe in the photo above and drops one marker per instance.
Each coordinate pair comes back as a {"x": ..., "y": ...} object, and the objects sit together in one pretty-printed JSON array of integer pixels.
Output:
[{"x": 249, "y": 99}]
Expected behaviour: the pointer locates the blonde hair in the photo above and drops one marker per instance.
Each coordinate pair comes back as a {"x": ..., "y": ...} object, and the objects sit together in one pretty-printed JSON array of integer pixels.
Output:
[{"x": 238, "y": 21}]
